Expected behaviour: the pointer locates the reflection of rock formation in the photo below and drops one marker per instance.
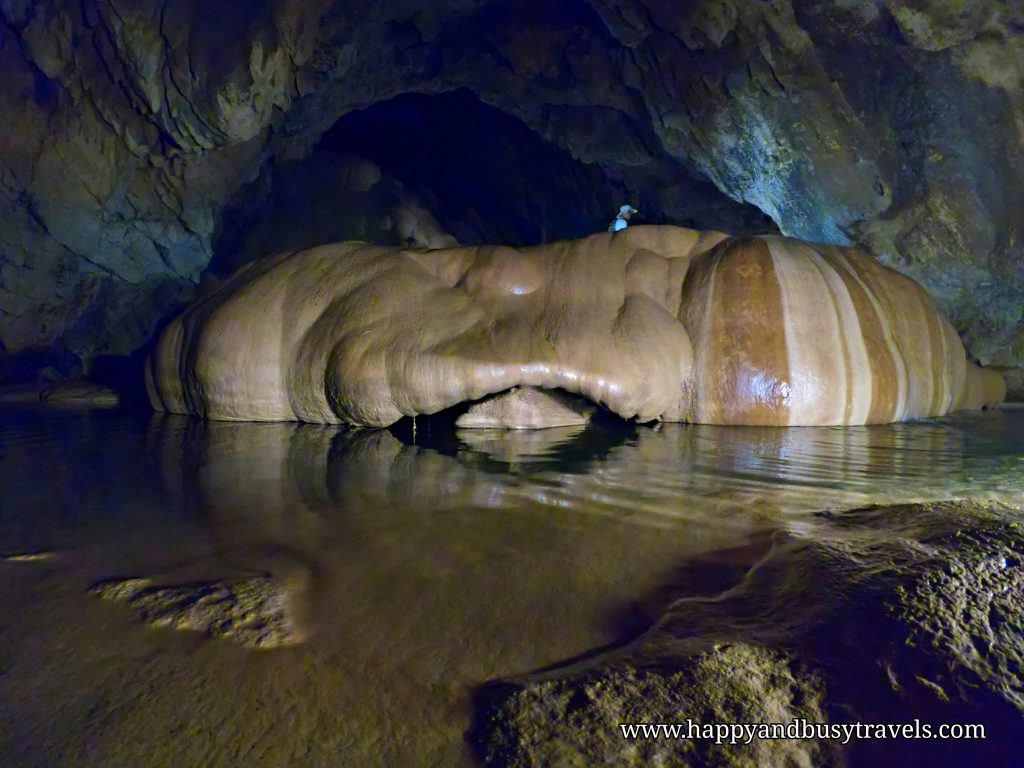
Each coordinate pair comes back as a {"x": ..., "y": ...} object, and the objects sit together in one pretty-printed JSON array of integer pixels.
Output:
[
  {"x": 529, "y": 554},
  {"x": 653, "y": 323},
  {"x": 527, "y": 408},
  {"x": 276, "y": 488},
  {"x": 426, "y": 574}
]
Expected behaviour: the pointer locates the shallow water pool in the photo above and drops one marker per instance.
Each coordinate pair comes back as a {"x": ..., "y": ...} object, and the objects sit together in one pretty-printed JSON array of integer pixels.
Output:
[{"x": 421, "y": 565}]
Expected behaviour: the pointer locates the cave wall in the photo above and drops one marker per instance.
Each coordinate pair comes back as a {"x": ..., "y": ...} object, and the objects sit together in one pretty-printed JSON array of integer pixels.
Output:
[{"x": 127, "y": 127}]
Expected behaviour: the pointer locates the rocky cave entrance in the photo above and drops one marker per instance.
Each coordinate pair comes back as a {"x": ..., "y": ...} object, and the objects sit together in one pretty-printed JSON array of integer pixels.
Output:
[{"x": 430, "y": 170}]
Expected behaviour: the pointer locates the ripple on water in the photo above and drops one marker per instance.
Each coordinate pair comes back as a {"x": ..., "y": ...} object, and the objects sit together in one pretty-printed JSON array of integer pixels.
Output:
[{"x": 426, "y": 567}]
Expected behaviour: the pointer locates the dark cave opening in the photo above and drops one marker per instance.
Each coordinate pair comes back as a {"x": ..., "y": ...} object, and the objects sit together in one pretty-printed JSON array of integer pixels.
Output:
[
  {"x": 572, "y": 449},
  {"x": 484, "y": 173},
  {"x": 418, "y": 168},
  {"x": 412, "y": 168}
]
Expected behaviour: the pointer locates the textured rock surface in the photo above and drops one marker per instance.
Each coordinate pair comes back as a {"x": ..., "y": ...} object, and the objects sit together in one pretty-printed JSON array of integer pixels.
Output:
[
  {"x": 252, "y": 612},
  {"x": 125, "y": 129},
  {"x": 651, "y": 323},
  {"x": 877, "y": 615},
  {"x": 577, "y": 723}
]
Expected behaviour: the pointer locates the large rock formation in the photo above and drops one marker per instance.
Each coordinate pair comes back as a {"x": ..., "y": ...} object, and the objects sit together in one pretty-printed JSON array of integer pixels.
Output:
[
  {"x": 651, "y": 323},
  {"x": 901, "y": 614},
  {"x": 579, "y": 721},
  {"x": 127, "y": 127}
]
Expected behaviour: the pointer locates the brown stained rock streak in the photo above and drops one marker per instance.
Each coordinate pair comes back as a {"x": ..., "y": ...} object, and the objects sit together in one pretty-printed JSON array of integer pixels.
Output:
[
  {"x": 880, "y": 351},
  {"x": 750, "y": 377}
]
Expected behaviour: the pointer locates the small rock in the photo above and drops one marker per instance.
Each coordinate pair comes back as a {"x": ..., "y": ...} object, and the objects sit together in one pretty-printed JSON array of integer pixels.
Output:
[
  {"x": 527, "y": 408},
  {"x": 79, "y": 394},
  {"x": 252, "y": 612},
  {"x": 29, "y": 557}
]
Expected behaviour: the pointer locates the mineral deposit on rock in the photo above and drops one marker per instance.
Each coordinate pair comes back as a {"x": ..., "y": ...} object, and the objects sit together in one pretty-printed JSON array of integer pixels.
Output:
[{"x": 654, "y": 323}]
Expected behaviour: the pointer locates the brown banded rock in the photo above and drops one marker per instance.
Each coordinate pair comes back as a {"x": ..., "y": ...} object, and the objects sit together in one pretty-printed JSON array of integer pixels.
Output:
[
  {"x": 651, "y": 323},
  {"x": 790, "y": 333}
]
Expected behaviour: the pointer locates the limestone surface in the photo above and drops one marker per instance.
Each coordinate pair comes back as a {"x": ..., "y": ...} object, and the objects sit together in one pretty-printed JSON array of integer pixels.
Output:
[
  {"x": 576, "y": 722},
  {"x": 251, "y": 612},
  {"x": 651, "y": 323},
  {"x": 129, "y": 127},
  {"x": 893, "y": 614}
]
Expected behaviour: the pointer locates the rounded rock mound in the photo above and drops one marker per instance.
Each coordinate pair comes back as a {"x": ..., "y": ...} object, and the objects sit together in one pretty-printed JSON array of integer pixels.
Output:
[{"x": 652, "y": 323}]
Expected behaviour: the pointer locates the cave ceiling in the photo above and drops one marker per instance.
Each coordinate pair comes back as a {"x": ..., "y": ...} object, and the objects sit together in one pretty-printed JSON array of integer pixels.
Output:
[{"x": 127, "y": 129}]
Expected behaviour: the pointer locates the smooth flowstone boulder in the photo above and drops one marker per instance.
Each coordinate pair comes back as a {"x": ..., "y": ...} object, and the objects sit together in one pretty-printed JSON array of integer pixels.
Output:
[
  {"x": 653, "y": 323},
  {"x": 252, "y": 612},
  {"x": 527, "y": 408}
]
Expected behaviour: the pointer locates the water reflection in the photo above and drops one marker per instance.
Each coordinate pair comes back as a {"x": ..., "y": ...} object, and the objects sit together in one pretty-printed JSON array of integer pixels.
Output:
[
  {"x": 590, "y": 525},
  {"x": 424, "y": 566},
  {"x": 658, "y": 476},
  {"x": 422, "y": 573}
]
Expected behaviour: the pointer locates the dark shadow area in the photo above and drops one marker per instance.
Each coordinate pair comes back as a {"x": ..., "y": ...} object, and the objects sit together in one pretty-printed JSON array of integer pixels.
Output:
[
  {"x": 523, "y": 452},
  {"x": 427, "y": 170},
  {"x": 702, "y": 577},
  {"x": 487, "y": 176},
  {"x": 36, "y": 365},
  {"x": 40, "y": 367},
  {"x": 124, "y": 375}
]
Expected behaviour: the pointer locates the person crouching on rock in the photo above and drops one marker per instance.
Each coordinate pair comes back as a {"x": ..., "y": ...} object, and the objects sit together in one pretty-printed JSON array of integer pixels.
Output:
[{"x": 621, "y": 221}]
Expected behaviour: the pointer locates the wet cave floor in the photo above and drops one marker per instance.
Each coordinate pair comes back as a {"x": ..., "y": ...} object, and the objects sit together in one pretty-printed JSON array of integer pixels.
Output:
[{"x": 406, "y": 575}]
